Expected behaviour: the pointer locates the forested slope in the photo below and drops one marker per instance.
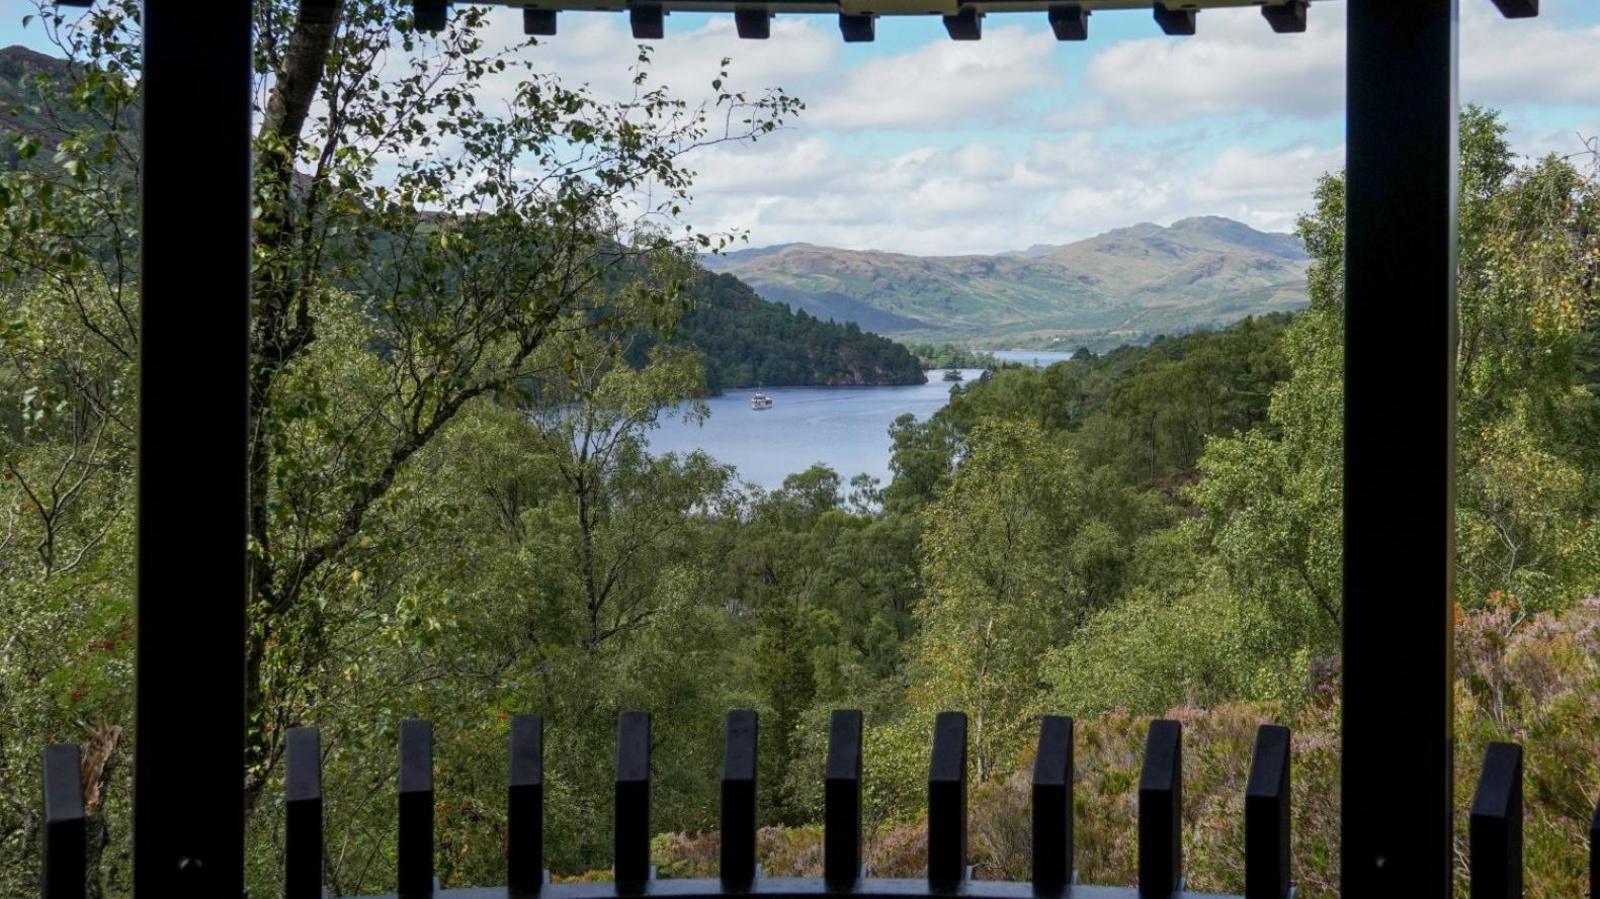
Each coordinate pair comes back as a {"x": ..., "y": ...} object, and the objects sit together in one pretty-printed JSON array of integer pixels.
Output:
[{"x": 748, "y": 341}]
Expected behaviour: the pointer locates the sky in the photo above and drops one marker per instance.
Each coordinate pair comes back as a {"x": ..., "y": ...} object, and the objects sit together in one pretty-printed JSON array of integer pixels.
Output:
[{"x": 918, "y": 144}]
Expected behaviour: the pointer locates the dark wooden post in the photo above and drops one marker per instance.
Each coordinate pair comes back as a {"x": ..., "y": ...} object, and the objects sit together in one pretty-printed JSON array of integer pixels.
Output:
[
  {"x": 1594, "y": 854},
  {"x": 1400, "y": 348},
  {"x": 302, "y": 815},
  {"x": 415, "y": 856},
  {"x": 947, "y": 802},
  {"x": 738, "y": 867},
  {"x": 188, "y": 811},
  {"x": 1161, "y": 812},
  {"x": 841, "y": 802},
  {"x": 1494, "y": 832},
  {"x": 1052, "y": 807},
  {"x": 62, "y": 873},
  {"x": 1266, "y": 816},
  {"x": 525, "y": 807},
  {"x": 631, "y": 828}
]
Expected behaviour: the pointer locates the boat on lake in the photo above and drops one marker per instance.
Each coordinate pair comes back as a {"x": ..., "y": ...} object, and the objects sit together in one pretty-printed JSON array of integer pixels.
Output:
[
  {"x": 953, "y": 374},
  {"x": 760, "y": 401}
]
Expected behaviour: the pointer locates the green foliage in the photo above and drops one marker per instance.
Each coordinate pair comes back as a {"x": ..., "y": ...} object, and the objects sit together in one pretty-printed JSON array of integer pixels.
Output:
[
  {"x": 1527, "y": 436},
  {"x": 949, "y": 355},
  {"x": 1145, "y": 411}
]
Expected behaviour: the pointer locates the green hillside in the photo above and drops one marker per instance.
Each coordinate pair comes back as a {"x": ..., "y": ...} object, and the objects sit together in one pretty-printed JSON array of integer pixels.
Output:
[{"x": 749, "y": 341}]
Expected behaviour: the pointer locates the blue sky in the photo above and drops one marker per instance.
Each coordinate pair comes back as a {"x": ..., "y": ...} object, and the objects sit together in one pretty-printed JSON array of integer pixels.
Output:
[{"x": 919, "y": 144}]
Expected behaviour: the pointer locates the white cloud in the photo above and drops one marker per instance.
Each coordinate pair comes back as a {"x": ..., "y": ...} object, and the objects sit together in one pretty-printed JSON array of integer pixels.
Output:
[
  {"x": 982, "y": 197},
  {"x": 940, "y": 85},
  {"x": 1234, "y": 64},
  {"x": 1052, "y": 172},
  {"x": 1527, "y": 61}
]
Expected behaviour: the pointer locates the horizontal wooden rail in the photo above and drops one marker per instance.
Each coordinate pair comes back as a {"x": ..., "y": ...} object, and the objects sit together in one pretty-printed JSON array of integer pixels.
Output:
[
  {"x": 800, "y": 888},
  {"x": 1495, "y": 829}
]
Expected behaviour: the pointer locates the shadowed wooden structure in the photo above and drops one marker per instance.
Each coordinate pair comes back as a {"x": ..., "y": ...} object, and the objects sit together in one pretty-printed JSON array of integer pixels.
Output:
[{"x": 1398, "y": 745}]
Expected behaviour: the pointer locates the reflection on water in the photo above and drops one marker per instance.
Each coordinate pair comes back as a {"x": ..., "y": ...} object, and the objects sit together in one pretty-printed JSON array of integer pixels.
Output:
[{"x": 845, "y": 428}]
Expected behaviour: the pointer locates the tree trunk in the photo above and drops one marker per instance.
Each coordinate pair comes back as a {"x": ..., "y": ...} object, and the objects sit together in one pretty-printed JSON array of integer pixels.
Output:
[{"x": 274, "y": 339}]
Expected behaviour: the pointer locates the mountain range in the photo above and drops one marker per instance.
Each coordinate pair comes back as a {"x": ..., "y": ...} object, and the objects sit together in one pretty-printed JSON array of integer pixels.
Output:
[{"x": 1124, "y": 286}]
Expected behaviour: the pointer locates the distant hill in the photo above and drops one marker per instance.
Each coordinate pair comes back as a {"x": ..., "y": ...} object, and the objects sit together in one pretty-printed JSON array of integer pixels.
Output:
[{"x": 1125, "y": 285}]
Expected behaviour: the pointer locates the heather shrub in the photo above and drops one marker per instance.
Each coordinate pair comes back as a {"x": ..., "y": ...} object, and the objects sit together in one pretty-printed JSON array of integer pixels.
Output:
[{"x": 1530, "y": 678}]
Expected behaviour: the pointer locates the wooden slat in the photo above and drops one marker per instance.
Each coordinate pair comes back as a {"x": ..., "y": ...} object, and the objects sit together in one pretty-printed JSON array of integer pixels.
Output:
[
  {"x": 62, "y": 874},
  {"x": 1494, "y": 831},
  {"x": 1052, "y": 806},
  {"x": 525, "y": 807},
  {"x": 1266, "y": 816},
  {"x": 738, "y": 850},
  {"x": 631, "y": 827},
  {"x": 947, "y": 802},
  {"x": 841, "y": 800},
  {"x": 415, "y": 849},
  {"x": 1161, "y": 812},
  {"x": 302, "y": 814}
]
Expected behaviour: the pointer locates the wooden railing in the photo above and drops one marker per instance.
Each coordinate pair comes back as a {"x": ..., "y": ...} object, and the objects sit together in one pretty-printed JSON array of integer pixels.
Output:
[{"x": 1495, "y": 830}]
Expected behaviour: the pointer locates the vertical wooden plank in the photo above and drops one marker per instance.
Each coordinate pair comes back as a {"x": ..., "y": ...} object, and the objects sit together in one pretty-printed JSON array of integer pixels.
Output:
[
  {"x": 631, "y": 827},
  {"x": 947, "y": 802},
  {"x": 302, "y": 814},
  {"x": 738, "y": 868},
  {"x": 1594, "y": 854},
  {"x": 1161, "y": 812},
  {"x": 62, "y": 874},
  {"x": 1494, "y": 830},
  {"x": 1399, "y": 449},
  {"x": 1266, "y": 816},
  {"x": 191, "y": 507},
  {"x": 525, "y": 807},
  {"x": 416, "y": 810},
  {"x": 841, "y": 800},
  {"x": 1052, "y": 807}
]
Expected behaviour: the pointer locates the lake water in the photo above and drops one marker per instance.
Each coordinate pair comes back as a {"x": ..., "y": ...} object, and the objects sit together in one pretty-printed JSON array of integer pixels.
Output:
[
  {"x": 1031, "y": 357},
  {"x": 845, "y": 428}
]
